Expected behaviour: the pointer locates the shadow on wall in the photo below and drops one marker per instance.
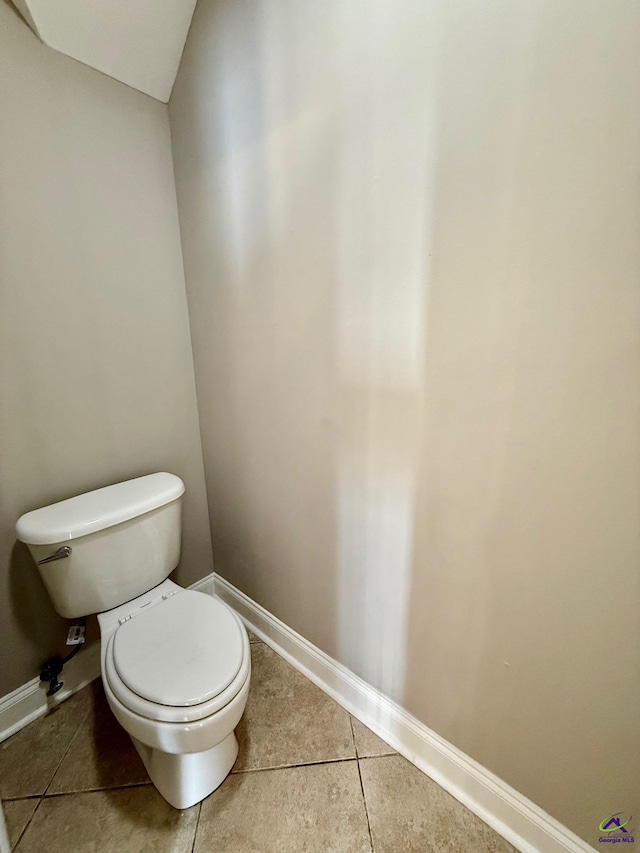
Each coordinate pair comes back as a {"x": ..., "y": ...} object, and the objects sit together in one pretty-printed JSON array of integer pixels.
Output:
[{"x": 38, "y": 624}]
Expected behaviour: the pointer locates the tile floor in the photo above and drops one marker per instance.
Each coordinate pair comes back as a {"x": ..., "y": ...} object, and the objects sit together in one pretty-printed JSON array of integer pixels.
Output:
[{"x": 308, "y": 778}]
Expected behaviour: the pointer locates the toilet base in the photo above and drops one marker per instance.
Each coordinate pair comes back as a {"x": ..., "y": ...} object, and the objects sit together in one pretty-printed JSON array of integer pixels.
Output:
[{"x": 184, "y": 780}]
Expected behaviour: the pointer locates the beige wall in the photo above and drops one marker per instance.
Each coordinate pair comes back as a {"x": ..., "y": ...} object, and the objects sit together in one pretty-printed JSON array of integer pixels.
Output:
[
  {"x": 95, "y": 360},
  {"x": 412, "y": 249}
]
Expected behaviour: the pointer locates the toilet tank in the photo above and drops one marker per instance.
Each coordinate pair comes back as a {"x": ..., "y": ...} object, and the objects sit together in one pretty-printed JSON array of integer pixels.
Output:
[{"x": 104, "y": 548}]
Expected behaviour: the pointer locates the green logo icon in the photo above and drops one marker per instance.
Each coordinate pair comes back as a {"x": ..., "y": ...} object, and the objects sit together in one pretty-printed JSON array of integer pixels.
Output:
[{"x": 613, "y": 824}]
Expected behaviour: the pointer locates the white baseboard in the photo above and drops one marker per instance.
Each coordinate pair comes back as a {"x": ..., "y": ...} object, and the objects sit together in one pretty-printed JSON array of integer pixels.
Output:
[
  {"x": 206, "y": 584},
  {"x": 30, "y": 701},
  {"x": 27, "y": 703},
  {"x": 513, "y": 816}
]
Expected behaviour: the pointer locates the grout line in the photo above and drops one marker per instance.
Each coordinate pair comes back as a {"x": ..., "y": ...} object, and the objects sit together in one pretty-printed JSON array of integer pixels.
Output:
[
  {"x": 97, "y": 790},
  {"x": 28, "y": 824},
  {"x": 353, "y": 737},
  {"x": 195, "y": 832},
  {"x": 364, "y": 798},
  {"x": 384, "y": 755},
  {"x": 66, "y": 752},
  {"x": 366, "y": 810},
  {"x": 23, "y": 797},
  {"x": 291, "y": 766},
  {"x": 58, "y": 765}
]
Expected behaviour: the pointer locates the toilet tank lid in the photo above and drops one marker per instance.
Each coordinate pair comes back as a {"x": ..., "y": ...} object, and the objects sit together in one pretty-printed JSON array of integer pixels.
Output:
[{"x": 98, "y": 510}]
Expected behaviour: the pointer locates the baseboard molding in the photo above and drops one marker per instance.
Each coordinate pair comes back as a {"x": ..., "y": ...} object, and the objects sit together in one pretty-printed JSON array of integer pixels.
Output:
[
  {"x": 517, "y": 819},
  {"x": 206, "y": 584},
  {"x": 30, "y": 701}
]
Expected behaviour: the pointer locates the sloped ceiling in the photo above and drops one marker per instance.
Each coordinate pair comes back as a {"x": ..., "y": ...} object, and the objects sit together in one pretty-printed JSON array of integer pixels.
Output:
[{"x": 139, "y": 42}]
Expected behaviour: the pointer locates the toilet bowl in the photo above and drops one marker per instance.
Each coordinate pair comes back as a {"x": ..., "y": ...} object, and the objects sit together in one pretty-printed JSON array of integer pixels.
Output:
[
  {"x": 175, "y": 663},
  {"x": 176, "y": 667}
]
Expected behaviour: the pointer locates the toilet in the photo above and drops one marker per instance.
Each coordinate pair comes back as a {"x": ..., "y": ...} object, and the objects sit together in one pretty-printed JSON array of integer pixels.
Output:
[{"x": 175, "y": 662}]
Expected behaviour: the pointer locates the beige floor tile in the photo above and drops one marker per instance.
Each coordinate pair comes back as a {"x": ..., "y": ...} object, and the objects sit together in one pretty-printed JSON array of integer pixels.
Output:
[
  {"x": 253, "y": 638},
  {"x": 101, "y": 755},
  {"x": 135, "y": 820},
  {"x": 312, "y": 809},
  {"x": 409, "y": 812},
  {"x": 368, "y": 743},
  {"x": 29, "y": 759},
  {"x": 288, "y": 720},
  {"x": 17, "y": 815}
]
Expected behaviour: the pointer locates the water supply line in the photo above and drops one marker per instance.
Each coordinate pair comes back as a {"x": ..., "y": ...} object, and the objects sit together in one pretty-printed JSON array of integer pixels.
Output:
[{"x": 53, "y": 667}]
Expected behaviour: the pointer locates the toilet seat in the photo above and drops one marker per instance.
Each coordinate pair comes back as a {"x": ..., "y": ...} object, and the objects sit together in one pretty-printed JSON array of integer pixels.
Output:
[
  {"x": 180, "y": 660},
  {"x": 181, "y": 652}
]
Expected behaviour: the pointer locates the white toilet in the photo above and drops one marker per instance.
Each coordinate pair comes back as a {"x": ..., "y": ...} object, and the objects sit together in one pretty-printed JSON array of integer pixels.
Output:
[{"x": 175, "y": 663}]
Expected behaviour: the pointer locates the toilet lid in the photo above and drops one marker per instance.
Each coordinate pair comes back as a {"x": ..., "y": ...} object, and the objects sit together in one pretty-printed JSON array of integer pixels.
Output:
[{"x": 181, "y": 652}]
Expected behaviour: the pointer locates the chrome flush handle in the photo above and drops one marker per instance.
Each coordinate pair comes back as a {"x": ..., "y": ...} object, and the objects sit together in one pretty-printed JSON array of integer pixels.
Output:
[{"x": 60, "y": 554}]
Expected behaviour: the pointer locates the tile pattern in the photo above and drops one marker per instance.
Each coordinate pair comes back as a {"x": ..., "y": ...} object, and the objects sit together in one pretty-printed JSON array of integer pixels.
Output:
[
  {"x": 309, "y": 778},
  {"x": 288, "y": 720},
  {"x": 101, "y": 755},
  {"x": 367, "y": 743},
  {"x": 17, "y": 814},
  {"x": 29, "y": 759},
  {"x": 111, "y": 821},
  {"x": 311, "y": 808},
  {"x": 409, "y": 812}
]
